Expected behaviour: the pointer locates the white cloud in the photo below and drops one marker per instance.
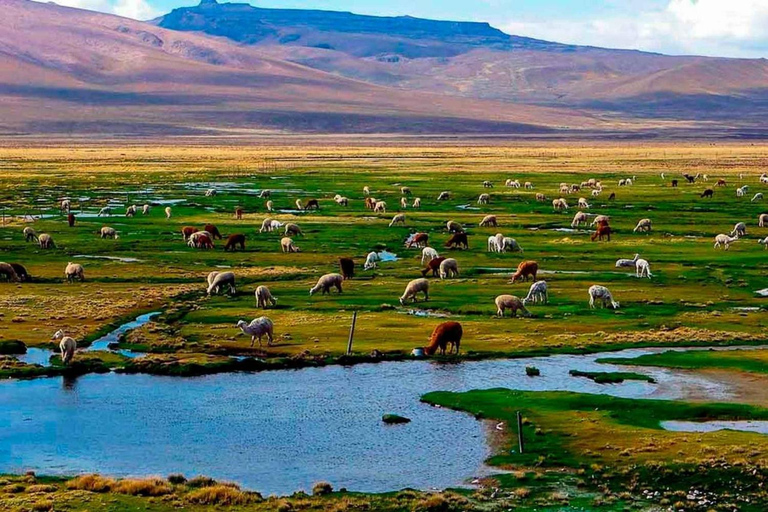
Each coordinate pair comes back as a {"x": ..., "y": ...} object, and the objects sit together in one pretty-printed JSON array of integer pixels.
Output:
[
  {"x": 733, "y": 28},
  {"x": 136, "y": 9}
]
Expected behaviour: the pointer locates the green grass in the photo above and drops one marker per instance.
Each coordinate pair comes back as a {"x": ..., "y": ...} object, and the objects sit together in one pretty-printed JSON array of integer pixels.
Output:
[{"x": 753, "y": 361}]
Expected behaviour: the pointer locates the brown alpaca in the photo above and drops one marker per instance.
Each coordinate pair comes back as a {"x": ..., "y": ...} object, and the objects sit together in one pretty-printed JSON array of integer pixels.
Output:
[
  {"x": 525, "y": 269},
  {"x": 71, "y": 220},
  {"x": 347, "y": 267},
  {"x": 203, "y": 242},
  {"x": 187, "y": 231},
  {"x": 312, "y": 204},
  {"x": 445, "y": 333},
  {"x": 370, "y": 203},
  {"x": 458, "y": 239},
  {"x": 603, "y": 230},
  {"x": 9, "y": 273},
  {"x": 434, "y": 266},
  {"x": 239, "y": 213},
  {"x": 234, "y": 240},
  {"x": 418, "y": 240},
  {"x": 721, "y": 182},
  {"x": 21, "y": 271},
  {"x": 213, "y": 230}
]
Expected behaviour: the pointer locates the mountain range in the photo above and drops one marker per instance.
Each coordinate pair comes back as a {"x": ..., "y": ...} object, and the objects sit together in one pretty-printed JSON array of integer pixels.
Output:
[{"x": 234, "y": 69}]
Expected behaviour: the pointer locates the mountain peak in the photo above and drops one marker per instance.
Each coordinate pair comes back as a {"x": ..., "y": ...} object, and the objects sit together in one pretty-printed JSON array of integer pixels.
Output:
[{"x": 207, "y": 3}]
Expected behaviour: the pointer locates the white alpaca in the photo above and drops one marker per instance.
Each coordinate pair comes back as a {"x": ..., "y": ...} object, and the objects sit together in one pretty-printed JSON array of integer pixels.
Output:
[
  {"x": 484, "y": 199},
  {"x": 257, "y": 329},
  {"x": 578, "y": 219},
  {"x": 105, "y": 212},
  {"x": 404, "y": 203},
  {"x": 145, "y": 209},
  {"x": 398, "y": 219},
  {"x": 417, "y": 202},
  {"x": 67, "y": 346},
  {"x": 601, "y": 292},
  {"x": 643, "y": 268},
  {"x": 428, "y": 254},
  {"x": 725, "y": 241},
  {"x": 643, "y": 225},
  {"x": 757, "y": 197},
  {"x": 218, "y": 280},
  {"x": 627, "y": 263},
  {"x": 420, "y": 285},
  {"x": 739, "y": 230},
  {"x": 537, "y": 293},
  {"x": 167, "y": 212},
  {"x": 449, "y": 267},
  {"x": 583, "y": 203},
  {"x": 493, "y": 245},
  {"x": 264, "y": 297},
  {"x": 764, "y": 241},
  {"x": 371, "y": 260},
  {"x": 762, "y": 220}
]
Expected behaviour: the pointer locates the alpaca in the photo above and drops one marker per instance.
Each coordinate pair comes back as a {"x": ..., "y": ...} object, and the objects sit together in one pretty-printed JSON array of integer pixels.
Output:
[
  {"x": 67, "y": 346},
  {"x": 257, "y": 329},
  {"x": 602, "y": 293},
  {"x": 537, "y": 293},
  {"x": 442, "y": 335}
]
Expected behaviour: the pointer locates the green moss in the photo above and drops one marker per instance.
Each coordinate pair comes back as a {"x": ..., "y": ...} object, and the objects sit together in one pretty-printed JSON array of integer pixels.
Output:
[
  {"x": 611, "y": 377},
  {"x": 746, "y": 360}
]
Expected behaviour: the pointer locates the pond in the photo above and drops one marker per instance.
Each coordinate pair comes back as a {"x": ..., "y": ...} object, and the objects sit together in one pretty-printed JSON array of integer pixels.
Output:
[{"x": 280, "y": 431}]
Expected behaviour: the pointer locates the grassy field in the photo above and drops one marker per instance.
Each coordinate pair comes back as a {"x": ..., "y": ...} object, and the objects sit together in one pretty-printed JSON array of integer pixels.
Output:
[{"x": 696, "y": 295}]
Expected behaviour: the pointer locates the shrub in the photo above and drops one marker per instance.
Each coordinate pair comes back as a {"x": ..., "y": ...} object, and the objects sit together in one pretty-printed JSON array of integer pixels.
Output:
[
  {"x": 532, "y": 371},
  {"x": 92, "y": 483},
  {"x": 201, "y": 481},
  {"x": 322, "y": 489},
  {"x": 176, "y": 479},
  {"x": 42, "y": 506},
  {"x": 221, "y": 495},
  {"x": 148, "y": 487},
  {"x": 41, "y": 488}
]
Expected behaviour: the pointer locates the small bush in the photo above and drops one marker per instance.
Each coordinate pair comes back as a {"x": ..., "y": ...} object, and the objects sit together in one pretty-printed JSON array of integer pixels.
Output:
[
  {"x": 201, "y": 481},
  {"x": 322, "y": 489},
  {"x": 177, "y": 479},
  {"x": 221, "y": 495},
  {"x": 532, "y": 371},
  {"x": 92, "y": 483},
  {"x": 41, "y": 488},
  {"x": 42, "y": 506},
  {"x": 148, "y": 487}
]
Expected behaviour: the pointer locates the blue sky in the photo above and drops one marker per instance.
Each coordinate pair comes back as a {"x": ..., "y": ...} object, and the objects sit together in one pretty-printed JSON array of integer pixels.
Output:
[{"x": 733, "y": 28}]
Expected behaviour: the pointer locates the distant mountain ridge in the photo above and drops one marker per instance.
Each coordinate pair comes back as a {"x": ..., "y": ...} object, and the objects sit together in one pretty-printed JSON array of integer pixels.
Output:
[{"x": 359, "y": 35}]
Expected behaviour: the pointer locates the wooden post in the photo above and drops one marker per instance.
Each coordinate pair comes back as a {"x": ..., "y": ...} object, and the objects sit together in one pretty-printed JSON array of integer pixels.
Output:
[
  {"x": 351, "y": 332},
  {"x": 520, "y": 442}
]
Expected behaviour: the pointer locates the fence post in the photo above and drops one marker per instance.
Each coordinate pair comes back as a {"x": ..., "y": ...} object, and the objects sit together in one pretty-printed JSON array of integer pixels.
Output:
[
  {"x": 351, "y": 332},
  {"x": 520, "y": 442}
]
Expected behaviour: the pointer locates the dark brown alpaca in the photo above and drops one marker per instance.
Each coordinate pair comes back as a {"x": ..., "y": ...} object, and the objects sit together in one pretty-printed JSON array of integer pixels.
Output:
[
  {"x": 21, "y": 272},
  {"x": 203, "y": 242},
  {"x": 433, "y": 266},
  {"x": 71, "y": 220},
  {"x": 234, "y": 240},
  {"x": 445, "y": 333},
  {"x": 239, "y": 213},
  {"x": 708, "y": 193},
  {"x": 458, "y": 239},
  {"x": 187, "y": 231},
  {"x": 418, "y": 240},
  {"x": 603, "y": 230},
  {"x": 347, "y": 267},
  {"x": 312, "y": 204},
  {"x": 213, "y": 230}
]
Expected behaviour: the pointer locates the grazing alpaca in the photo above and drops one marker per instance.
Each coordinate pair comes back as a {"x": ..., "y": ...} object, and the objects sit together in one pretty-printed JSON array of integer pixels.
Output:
[
  {"x": 757, "y": 197},
  {"x": 270, "y": 206},
  {"x": 71, "y": 219},
  {"x": 505, "y": 302},
  {"x": 239, "y": 213},
  {"x": 493, "y": 244},
  {"x": 720, "y": 183},
  {"x": 417, "y": 202},
  {"x": 763, "y": 241},
  {"x": 257, "y": 329},
  {"x": 762, "y": 220},
  {"x": 627, "y": 263},
  {"x": 347, "y": 267},
  {"x": 420, "y": 285},
  {"x": 9, "y": 272},
  {"x": 602, "y": 293},
  {"x": 433, "y": 266},
  {"x": 398, "y": 219},
  {"x": 612, "y": 197},
  {"x": 218, "y": 280},
  {"x": 371, "y": 260},
  {"x": 326, "y": 282},
  {"x": 74, "y": 271},
  {"x": 380, "y": 207},
  {"x": 21, "y": 271},
  {"x": 46, "y": 241},
  {"x": 312, "y": 204},
  {"x": 708, "y": 193},
  {"x": 203, "y": 241},
  {"x": 366, "y": 191},
  {"x": 559, "y": 204},
  {"x": 233, "y": 241},
  {"x": 287, "y": 245},
  {"x": 484, "y": 199},
  {"x": 30, "y": 235},
  {"x": 130, "y": 211},
  {"x": 442, "y": 335},
  {"x": 265, "y": 194},
  {"x": 456, "y": 240},
  {"x": 537, "y": 293},
  {"x": 188, "y": 231},
  {"x": 428, "y": 254},
  {"x": 264, "y": 297},
  {"x": 603, "y": 230},
  {"x": 525, "y": 269},
  {"x": 578, "y": 219},
  {"x": 674, "y": 183},
  {"x": 489, "y": 221},
  {"x": 740, "y": 229},
  {"x": 643, "y": 268},
  {"x": 167, "y": 212},
  {"x": 406, "y": 191},
  {"x": 449, "y": 267},
  {"x": 510, "y": 245},
  {"x": 108, "y": 232},
  {"x": 540, "y": 197},
  {"x": 417, "y": 240},
  {"x": 454, "y": 227},
  {"x": 487, "y": 184},
  {"x": 65, "y": 204},
  {"x": 67, "y": 346},
  {"x": 145, "y": 209},
  {"x": 725, "y": 241},
  {"x": 292, "y": 229},
  {"x": 213, "y": 230},
  {"x": 643, "y": 225},
  {"x": 444, "y": 196}
]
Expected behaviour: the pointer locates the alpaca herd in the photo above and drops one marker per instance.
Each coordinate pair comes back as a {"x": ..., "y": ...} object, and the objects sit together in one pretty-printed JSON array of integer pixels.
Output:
[{"x": 454, "y": 237}]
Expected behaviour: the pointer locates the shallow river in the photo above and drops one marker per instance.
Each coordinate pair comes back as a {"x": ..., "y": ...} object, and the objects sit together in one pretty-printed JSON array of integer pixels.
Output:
[{"x": 280, "y": 431}]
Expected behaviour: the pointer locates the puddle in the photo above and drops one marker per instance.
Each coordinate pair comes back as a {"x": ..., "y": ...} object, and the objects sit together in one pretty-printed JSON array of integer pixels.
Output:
[
  {"x": 110, "y": 258},
  {"x": 759, "y": 427},
  {"x": 467, "y": 207},
  {"x": 385, "y": 256}
]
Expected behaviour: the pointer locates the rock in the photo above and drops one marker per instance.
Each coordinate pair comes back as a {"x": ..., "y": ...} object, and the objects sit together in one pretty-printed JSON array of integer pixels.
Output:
[{"x": 394, "y": 419}]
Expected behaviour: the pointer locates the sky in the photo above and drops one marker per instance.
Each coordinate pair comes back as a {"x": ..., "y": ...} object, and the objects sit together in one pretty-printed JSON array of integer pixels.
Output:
[{"x": 726, "y": 28}]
